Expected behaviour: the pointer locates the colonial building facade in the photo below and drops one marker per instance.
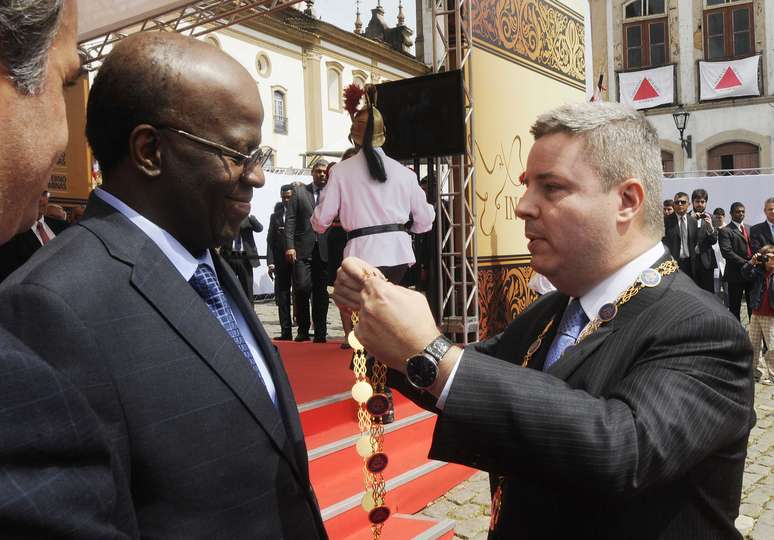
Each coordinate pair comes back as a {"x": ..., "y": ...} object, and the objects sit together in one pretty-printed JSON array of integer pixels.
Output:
[{"x": 714, "y": 57}]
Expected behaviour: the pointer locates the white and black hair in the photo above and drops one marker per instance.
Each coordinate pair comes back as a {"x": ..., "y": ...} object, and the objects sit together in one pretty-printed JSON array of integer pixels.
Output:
[
  {"x": 27, "y": 31},
  {"x": 620, "y": 143}
]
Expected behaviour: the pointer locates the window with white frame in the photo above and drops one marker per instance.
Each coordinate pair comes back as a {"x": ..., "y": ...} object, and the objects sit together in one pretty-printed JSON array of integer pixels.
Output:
[
  {"x": 279, "y": 110},
  {"x": 335, "y": 91},
  {"x": 645, "y": 35}
]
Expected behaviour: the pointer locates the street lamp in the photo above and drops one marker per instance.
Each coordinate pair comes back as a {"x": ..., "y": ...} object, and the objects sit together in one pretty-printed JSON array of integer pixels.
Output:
[{"x": 680, "y": 116}]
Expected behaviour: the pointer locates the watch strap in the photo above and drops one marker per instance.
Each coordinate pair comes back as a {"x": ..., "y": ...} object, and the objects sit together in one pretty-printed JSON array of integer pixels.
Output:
[{"x": 439, "y": 347}]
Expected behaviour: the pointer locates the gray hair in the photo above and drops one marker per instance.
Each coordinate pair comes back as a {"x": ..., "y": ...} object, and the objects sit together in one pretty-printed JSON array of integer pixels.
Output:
[
  {"x": 768, "y": 201},
  {"x": 619, "y": 143},
  {"x": 27, "y": 31}
]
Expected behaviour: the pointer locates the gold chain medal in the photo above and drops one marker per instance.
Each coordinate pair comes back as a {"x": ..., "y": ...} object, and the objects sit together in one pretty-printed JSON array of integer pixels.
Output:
[{"x": 373, "y": 404}]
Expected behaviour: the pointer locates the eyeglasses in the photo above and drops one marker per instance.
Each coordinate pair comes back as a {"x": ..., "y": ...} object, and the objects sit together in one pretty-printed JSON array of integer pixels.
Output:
[
  {"x": 247, "y": 161},
  {"x": 681, "y": 202}
]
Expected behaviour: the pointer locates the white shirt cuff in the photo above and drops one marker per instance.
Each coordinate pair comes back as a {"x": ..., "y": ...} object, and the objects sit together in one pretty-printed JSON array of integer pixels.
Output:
[{"x": 445, "y": 392}]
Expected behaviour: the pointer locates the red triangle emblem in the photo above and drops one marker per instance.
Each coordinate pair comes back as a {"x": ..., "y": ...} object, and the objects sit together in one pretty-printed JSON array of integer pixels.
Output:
[
  {"x": 645, "y": 91},
  {"x": 728, "y": 80}
]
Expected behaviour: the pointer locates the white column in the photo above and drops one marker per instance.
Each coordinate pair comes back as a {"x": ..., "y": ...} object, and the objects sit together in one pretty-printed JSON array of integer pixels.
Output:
[
  {"x": 686, "y": 74},
  {"x": 768, "y": 13},
  {"x": 612, "y": 83}
]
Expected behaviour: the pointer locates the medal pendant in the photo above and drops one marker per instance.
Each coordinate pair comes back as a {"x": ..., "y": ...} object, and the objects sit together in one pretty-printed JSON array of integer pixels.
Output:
[
  {"x": 650, "y": 277},
  {"x": 378, "y": 405},
  {"x": 607, "y": 312}
]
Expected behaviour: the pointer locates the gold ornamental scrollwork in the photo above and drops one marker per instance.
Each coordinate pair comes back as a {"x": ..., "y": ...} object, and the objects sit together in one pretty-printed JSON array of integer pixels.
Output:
[{"x": 541, "y": 32}]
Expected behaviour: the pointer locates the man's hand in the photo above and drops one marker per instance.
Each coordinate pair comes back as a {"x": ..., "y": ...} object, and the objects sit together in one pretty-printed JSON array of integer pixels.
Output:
[
  {"x": 290, "y": 255},
  {"x": 271, "y": 272},
  {"x": 395, "y": 323}
]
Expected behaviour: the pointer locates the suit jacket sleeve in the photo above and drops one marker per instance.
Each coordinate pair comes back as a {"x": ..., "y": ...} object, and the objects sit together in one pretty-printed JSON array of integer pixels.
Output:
[
  {"x": 57, "y": 480},
  {"x": 708, "y": 236},
  {"x": 291, "y": 214},
  {"x": 270, "y": 240},
  {"x": 677, "y": 403},
  {"x": 726, "y": 247}
]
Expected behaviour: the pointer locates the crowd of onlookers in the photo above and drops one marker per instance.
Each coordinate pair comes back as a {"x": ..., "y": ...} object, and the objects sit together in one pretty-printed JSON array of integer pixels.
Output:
[{"x": 731, "y": 259}]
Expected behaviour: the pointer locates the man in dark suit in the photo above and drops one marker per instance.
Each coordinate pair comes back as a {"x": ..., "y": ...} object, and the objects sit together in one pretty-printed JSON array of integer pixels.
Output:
[
  {"x": 279, "y": 268},
  {"x": 762, "y": 233},
  {"x": 680, "y": 235},
  {"x": 734, "y": 242},
  {"x": 56, "y": 479},
  {"x": 242, "y": 255},
  {"x": 20, "y": 248},
  {"x": 617, "y": 407},
  {"x": 307, "y": 251},
  {"x": 706, "y": 236},
  {"x": 160, "y": 336}
]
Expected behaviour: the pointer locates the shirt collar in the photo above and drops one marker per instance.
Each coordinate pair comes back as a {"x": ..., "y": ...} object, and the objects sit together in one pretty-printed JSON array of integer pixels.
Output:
[
  {"x": 612, "y": 286},
  {"x": 185, "y": 263}
]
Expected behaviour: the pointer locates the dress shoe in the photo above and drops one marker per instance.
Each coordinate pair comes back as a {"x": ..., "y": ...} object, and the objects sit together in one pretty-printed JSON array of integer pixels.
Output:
[
  {"x": 284, "y": 337},
  {"x": 320, "y": 340},
  {"x": 302, "y": 337}
]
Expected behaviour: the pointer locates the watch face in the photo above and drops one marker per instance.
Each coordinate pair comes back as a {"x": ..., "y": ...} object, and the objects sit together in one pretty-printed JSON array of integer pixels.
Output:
[{"x": 421, "y": 371}]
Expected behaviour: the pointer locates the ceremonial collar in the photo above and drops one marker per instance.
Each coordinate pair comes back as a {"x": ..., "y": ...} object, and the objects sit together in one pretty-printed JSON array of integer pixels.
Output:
[{"x": 608, "y": 290}]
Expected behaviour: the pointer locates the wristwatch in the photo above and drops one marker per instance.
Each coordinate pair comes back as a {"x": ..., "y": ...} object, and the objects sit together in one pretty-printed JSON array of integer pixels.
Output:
[{"x": 422, "y": 369}]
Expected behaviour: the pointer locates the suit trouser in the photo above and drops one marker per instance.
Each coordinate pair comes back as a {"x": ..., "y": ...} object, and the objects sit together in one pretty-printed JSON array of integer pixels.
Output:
[
  {"x": 762, "y": 333},
  {"x": 282, "y": 278},
  {"x": 310, "y": 280},
  {"x": 704, "y": 278},
  {"x": 685, "y": 266},
  {"x": 735, "y": 292}
]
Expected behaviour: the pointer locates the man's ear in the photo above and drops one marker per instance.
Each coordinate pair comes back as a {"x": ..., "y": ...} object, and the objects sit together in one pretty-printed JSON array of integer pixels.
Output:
[
  {"x": 145, "y": 149},
  {"x": 631, "y": 199}
]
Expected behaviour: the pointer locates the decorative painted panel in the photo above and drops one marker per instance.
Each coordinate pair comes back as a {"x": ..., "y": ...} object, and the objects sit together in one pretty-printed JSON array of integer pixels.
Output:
[
  {"x": 503, "y": 294},
  {"x": 538, "y": 33}
]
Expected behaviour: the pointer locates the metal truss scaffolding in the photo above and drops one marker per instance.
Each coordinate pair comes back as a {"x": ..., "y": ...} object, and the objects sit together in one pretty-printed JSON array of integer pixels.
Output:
[
  {"x": 193, "y": 19},
  {"x": 457, "y": 268}
]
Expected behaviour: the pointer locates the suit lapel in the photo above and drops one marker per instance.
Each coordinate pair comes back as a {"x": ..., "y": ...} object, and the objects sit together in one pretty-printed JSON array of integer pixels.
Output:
[
  {"x": 574, "y": 356},
  {"x": 269, "y": 351},
  {"x": 157, "y": 280}
]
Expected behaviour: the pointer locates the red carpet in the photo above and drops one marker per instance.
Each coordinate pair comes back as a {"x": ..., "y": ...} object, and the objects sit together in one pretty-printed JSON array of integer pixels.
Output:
[
  {"x": 319, "y": 374},
  {"x": 316, "y": 370}
]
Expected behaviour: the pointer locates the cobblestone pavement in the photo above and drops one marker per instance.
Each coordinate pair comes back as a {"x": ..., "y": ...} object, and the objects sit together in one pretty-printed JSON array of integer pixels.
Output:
[{"x": 468, "y": 503}]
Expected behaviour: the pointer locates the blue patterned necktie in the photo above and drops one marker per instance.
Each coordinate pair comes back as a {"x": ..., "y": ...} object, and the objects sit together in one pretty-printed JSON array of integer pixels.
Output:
[
  {"x": 205, "y": 283},
  {"x": 573, "y": 322}
]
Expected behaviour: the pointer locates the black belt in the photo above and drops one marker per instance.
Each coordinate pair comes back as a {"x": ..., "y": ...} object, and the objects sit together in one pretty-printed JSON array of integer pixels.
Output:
[{"x": 375, "y": 229}]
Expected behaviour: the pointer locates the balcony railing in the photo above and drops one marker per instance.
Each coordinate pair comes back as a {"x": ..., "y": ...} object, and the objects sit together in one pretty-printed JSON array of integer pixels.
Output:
[{"x": 720, "y": 172}]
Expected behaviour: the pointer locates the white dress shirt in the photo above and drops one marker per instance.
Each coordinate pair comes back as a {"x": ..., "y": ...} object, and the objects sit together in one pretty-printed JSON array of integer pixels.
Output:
[
  {"x": 46, "y": 228},
  {"x": 606, "y": 291},
  {"x": 361, "y": 201},
  {"x": 186, "y": 264}
]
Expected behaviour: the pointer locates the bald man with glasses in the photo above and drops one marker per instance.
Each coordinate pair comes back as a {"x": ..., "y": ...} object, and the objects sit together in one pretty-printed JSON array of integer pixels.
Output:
[{"x": 148, "y": 319}]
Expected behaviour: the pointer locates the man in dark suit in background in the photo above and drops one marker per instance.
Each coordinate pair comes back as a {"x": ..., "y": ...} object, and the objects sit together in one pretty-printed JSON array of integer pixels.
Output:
[
  {"x": 56, "y": 479},
  {"x": 706, "y": 237},
  {"x": 617, "y": 407},
  {"x": 20, "y": 248},
  {"x": 762, "y": 233},
  {"x": 242, "y": 255},
  {"x": 680, "y": 232},
  {"x": 307, "y": 251},
  {"x": 734, "y": 242},
  {"x": 160, "y": 336},
  {"x": 280, "y": 269}
]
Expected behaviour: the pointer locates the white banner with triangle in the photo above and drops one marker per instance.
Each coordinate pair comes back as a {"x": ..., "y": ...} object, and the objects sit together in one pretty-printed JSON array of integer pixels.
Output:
[
  {"x": 648, "y": 87},
  {"x": 730, "y": 78}
]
